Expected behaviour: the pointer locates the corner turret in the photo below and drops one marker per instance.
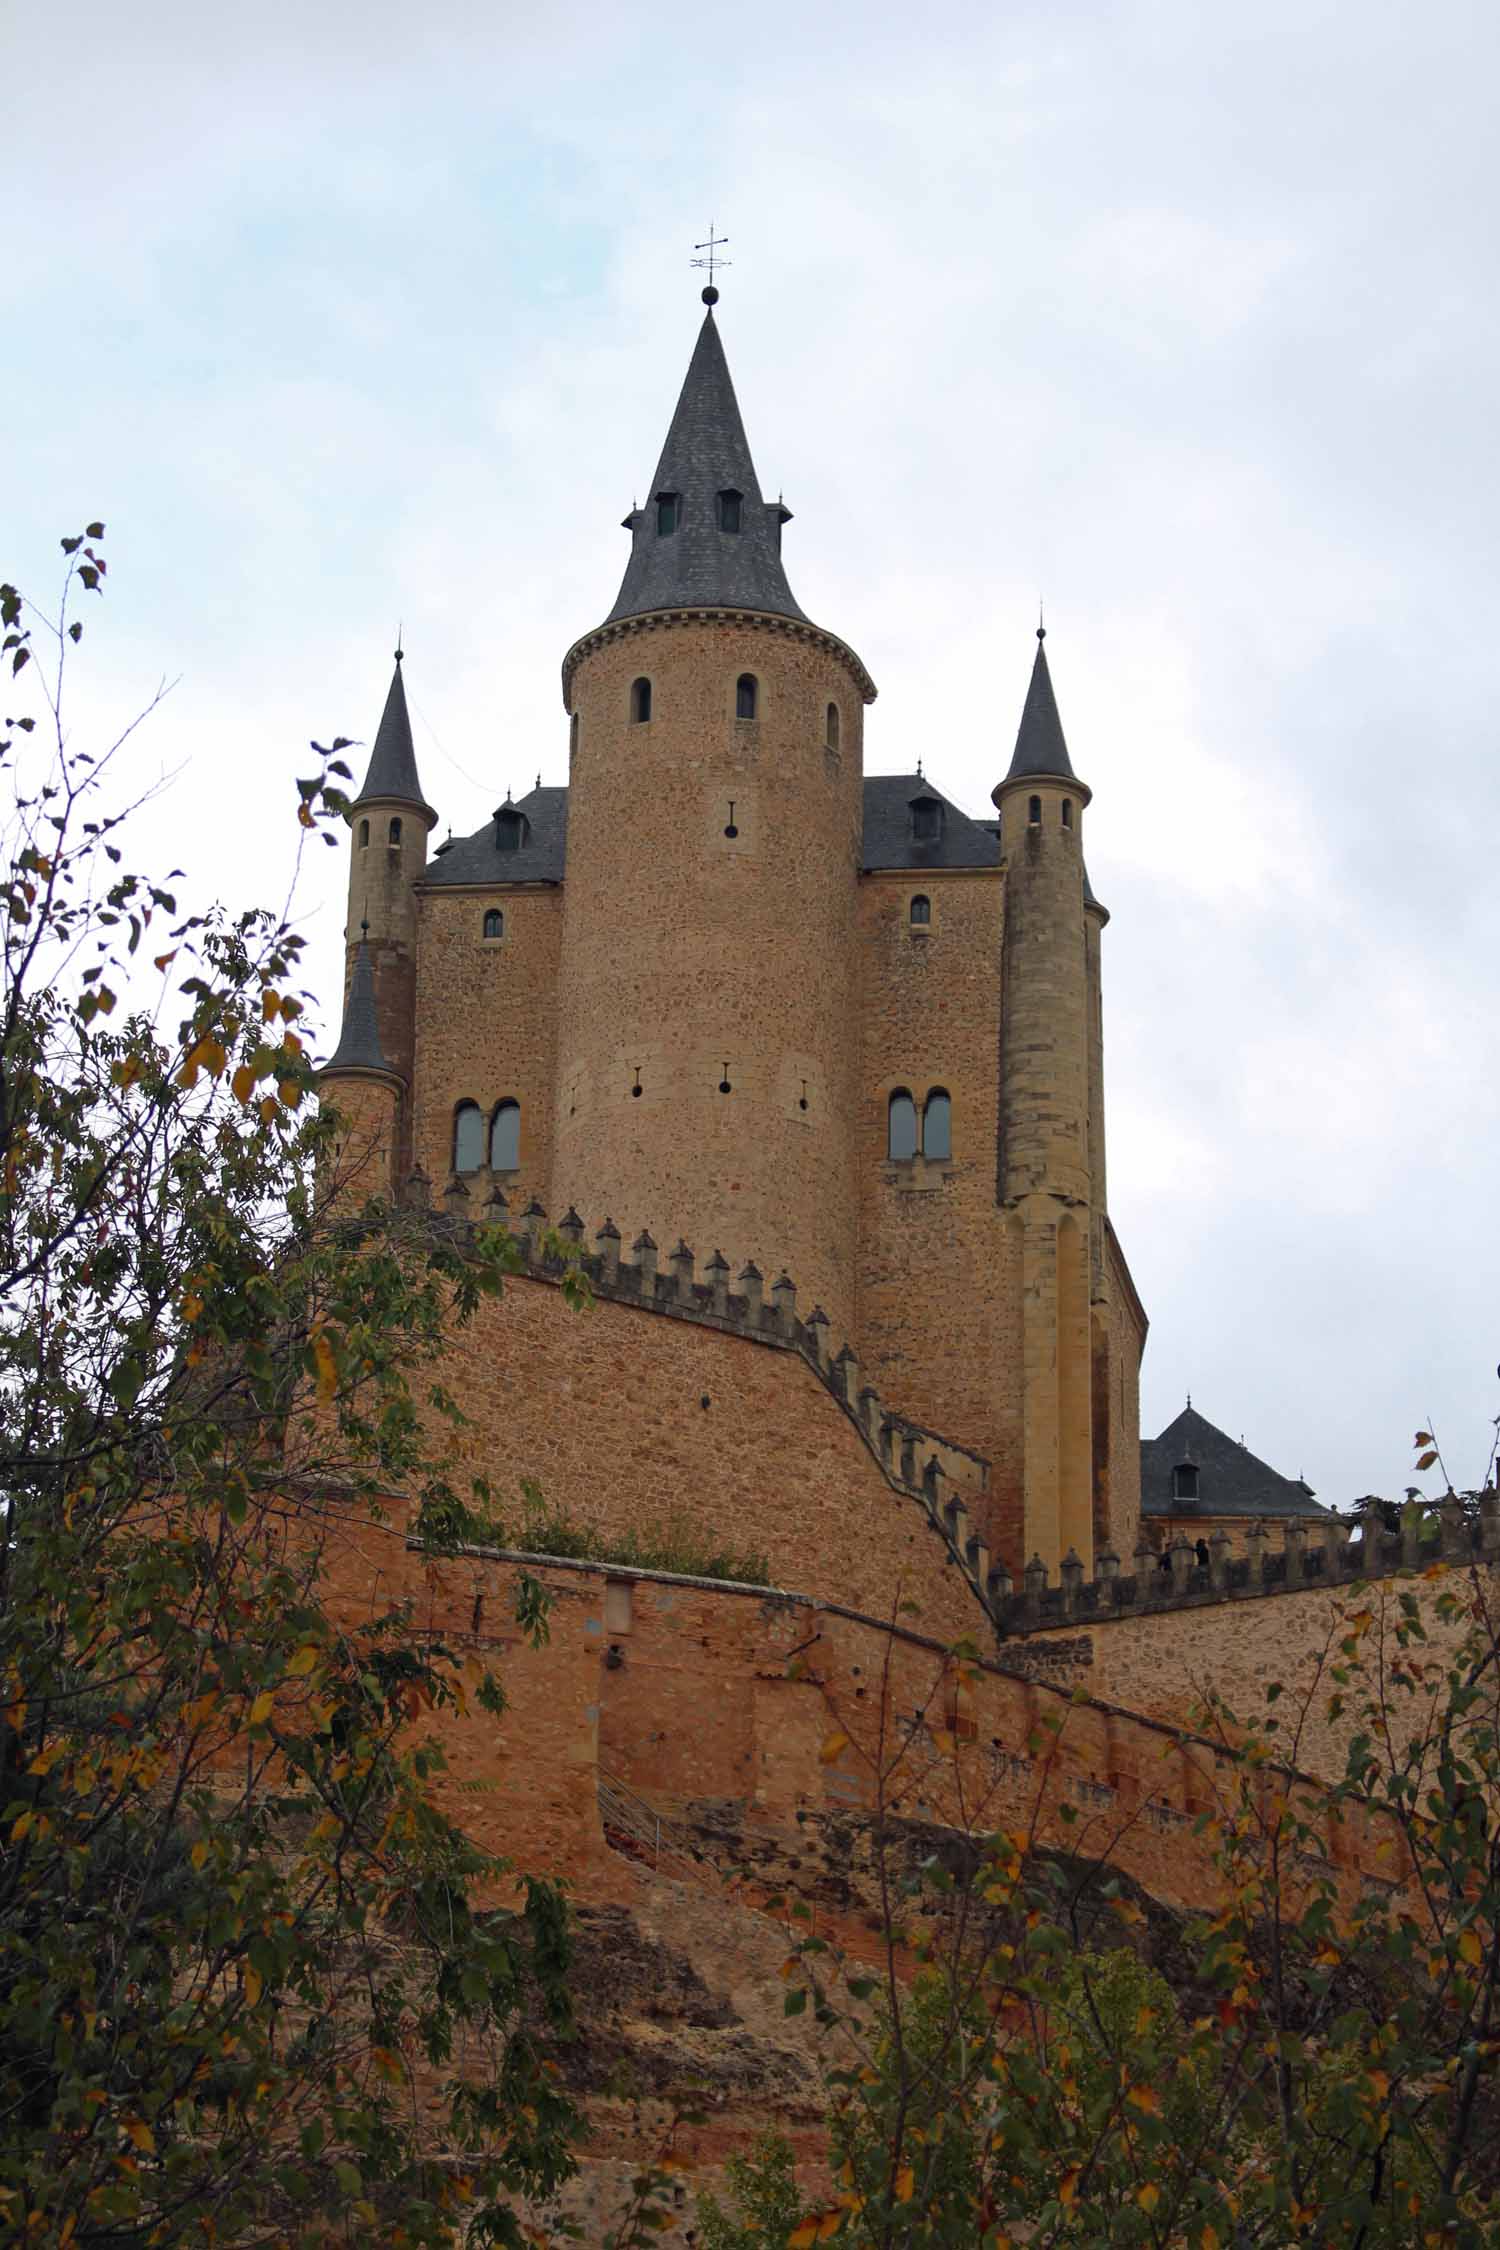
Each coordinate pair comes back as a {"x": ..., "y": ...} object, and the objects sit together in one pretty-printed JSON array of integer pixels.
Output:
[{"x": 365, "y": 1090}]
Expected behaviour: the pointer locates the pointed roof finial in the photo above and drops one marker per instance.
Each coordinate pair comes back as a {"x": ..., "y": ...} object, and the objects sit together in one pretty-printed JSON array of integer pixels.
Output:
[
  {"x": 400, "y": 651},
  {"x": 713, "y": 245},
  {"x": 1041, "y": 620}
]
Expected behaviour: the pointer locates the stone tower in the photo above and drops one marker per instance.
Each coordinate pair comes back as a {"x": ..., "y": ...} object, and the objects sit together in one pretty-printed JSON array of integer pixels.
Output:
[
  {"x": 1051, "y": 1091},
  {"x": 708, "y": 974},
  {"x": 389, "y": 825}
]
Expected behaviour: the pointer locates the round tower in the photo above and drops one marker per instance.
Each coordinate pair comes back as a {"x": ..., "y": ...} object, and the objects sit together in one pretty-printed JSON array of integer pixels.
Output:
[
  {"x": 707, "y": 978},
  {"x": 389, "y": 822},
  {"x": 1044, "y": 1167}
]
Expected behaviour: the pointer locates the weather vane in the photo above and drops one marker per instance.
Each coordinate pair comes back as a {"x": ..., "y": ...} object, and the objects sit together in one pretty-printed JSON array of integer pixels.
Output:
[{"x": 714, "y": 244}]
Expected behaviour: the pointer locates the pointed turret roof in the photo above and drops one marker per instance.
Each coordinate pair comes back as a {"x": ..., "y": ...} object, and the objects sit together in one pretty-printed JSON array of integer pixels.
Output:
[
  {"x": 392, "y": 771},
  {"x": 700, "y": 564},
  {"x": 359, "y": 1045},
  {"x": 1040, "y": 747}
]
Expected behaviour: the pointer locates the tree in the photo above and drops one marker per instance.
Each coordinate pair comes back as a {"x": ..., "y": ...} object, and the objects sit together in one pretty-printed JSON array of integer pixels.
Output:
[
  {"x": 255, "y": 1986},
  {"x": 1008, "y": 2071}
]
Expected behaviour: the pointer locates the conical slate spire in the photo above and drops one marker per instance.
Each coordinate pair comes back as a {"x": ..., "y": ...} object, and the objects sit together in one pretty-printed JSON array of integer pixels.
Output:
[
  {"x": 1040, "y": 747},
  {"x": 689, "y": 555},
  {"x": 359, "y": 1045},
  {"x": 393, "y": 761}
]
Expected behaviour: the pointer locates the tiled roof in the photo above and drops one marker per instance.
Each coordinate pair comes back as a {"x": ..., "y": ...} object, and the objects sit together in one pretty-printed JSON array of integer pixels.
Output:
[
  {"x": 477, "y": 859},
  {"x": 1040, "y": 747},
  {"x": 888, "y": 839},
  {"x": 393, "y": 761},
  {"x": 1231, "y": 1481},
  {"x": 359, "y": 1045}
]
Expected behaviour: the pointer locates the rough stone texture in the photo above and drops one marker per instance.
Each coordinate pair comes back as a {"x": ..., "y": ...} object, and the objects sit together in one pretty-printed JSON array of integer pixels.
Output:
[
  {"x": 486, "y": 1029},
  {"x": 691, "y": 957}
]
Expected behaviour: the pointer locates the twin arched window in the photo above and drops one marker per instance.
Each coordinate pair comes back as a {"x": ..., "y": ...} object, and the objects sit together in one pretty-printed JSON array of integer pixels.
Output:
[
  {"x": 504, "y": 1137},
  {"x": 640, "y": 702},
  {"x": 936, "y": 1137},
  {"x": 746, "y": 696},
  {"x": 494, "y": 923},
  {"x": 920, "y": 912}
]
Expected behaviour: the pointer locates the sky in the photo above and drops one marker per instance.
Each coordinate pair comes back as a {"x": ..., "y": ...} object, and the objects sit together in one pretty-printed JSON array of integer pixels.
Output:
[{"x": 1183, "y": 318}]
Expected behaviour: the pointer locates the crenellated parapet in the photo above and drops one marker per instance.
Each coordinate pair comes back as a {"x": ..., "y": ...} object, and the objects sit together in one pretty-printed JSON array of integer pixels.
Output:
[
  {"x": 921, "y": 1466},
  {"x": 1327, "y": 1557}
]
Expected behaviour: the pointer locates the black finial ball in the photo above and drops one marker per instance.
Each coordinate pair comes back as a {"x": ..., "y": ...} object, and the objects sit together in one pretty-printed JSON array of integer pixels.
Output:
[{"x": 710, "y": 295}]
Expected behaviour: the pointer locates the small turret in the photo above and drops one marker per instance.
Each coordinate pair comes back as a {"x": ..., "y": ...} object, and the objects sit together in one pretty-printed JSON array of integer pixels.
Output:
[{"x": 361, "y": 1085}]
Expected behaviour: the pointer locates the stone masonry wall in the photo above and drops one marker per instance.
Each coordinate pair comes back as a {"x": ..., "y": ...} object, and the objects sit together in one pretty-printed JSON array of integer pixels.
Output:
[{"x": 486, "y": 1027}]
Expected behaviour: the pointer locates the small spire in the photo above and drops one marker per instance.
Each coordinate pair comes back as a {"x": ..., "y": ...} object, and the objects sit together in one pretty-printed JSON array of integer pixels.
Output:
[
  {"x": 1040, "y": 745},
  {"x": 359, "y": 1045},
  {"x": 392, "y": 770}
]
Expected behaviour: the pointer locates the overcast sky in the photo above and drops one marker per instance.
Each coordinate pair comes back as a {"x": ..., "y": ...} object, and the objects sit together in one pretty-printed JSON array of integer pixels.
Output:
[{"x": 1182, "y": 316}]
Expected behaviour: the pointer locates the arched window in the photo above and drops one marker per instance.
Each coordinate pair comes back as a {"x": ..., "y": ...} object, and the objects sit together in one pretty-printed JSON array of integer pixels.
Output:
[
  {"x": 831, "y": 732},
  {"x": 668, "y": 512},
  {"x": 640, "y": 702},
  {"x": 921, "y": 912},
  {"x": 1067, "y": 812},
  {"x": 745, "y": 696},
  {"x": 364, "y": 834},
  {"x": 937, "y": 1127},
  {"x": 505, "y": 1137},
  {"x": 494, "y": 923},
  {"x": 1034, "y": 812},
  {"x": 468, "y": 1137},
  {"x": 731, "y": 506},
  {"x": 394, "y": 833},
  {"x": 901, "y": 1127}
]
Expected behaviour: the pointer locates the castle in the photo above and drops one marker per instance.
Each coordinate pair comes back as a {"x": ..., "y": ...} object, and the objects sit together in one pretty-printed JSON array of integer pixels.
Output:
[{"x": 726, "y": 992}]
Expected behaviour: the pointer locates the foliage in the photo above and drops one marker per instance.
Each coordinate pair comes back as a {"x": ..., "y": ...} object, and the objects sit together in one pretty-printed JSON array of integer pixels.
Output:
[
  {"x": 674, "y": 1544},
  {"x": 764, "y": 2186},
  {"x": 1010, "y": 2070},
  {"x": 255, "y": 1986}
]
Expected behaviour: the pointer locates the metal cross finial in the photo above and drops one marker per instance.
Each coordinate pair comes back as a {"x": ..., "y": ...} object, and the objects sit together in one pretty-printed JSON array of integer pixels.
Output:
[
  {"x": 400, "y": 651},
  {"x": 713, "y": 245}
]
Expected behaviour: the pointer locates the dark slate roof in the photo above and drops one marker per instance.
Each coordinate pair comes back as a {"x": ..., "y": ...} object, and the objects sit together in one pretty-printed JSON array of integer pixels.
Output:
[
  {"x": 393, "y": 761},
  {"x": 888, "y": 840},
  {"x": 1088, "y": 895},
  {"x": 359, "y": 1045},
  {"x": 475, "y": 859},
  {"x": 1040, "y": 747},
  {"x": 698, "y": 566},
  {"x": 1231, "y": 1481}
]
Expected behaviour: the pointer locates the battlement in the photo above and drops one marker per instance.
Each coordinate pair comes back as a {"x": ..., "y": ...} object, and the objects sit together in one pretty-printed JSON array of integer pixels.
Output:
[
  {"x": 921, "y": 1466},
  {"x": 1331, "y": 1557}
]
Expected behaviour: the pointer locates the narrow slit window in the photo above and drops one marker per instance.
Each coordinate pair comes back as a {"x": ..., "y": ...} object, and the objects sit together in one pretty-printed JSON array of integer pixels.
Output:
[
  {"x": 494, "y": 923},
  {"x": 505, "y": 1137},
  {"x": 831, "y": 733},
  {"x": 746, "y": 696},
  {"x": 394, "y": 832},
  {"x": 573, "y": 737},
  {"x": 731, "y": 508},
  {"x": 364, "y": 834},
  {"x": 640, "y": 702},
  {"x": 901, "y": 1127},
  {"x": 468, "y": 1137},
  {"x": 1067, "y": 812},
  {"x": 1034, "y": 814},
  {"x": 921, "y": 912},
  {"x": 668, "y": 513},
  {"x": 937, "y": 1127}
]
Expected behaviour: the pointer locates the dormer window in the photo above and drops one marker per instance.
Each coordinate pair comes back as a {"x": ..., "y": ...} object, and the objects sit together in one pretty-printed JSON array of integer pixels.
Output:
[
  {"x": 511, "y": 828},
  {"x": 731, "y": 510},
  {"x": 1185, "y": 1481},
  {"x": 746, "y": 696},
  {"x": 926, "y": 819},
  {"x": 668, "y": 512}
]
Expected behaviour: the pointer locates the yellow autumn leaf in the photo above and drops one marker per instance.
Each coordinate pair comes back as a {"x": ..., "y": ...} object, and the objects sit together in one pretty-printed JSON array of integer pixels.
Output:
[
  {"x": 328, "y": 1371},
  {"x": 1146, "y": 2098},
  {"x": 303, "y": 1662},
  {"x": 243, "y": 1083},
  {"x": 803, "y": 2237},
  {"x": 1209, "y": 2239},
  {"x": 1068, "y": 2186},
  {"x": 261, "y": 1708},
  {"x": 290, "y": 1092},
  {"x": 905, "y": 2184},
  {"x": 253, "y": 1985},
  {"x": 140, "y": 2135},
  {"x": 832, "y": 1745},
  {"x": 1148, "y": 2195},
  {"x": 199, "y": 1853},
  {"x": 1470, "y": 1949}
]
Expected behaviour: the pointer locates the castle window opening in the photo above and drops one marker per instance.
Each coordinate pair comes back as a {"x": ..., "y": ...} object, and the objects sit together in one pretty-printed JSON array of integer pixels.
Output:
[
  {"x": 729, "y": 828},
  {"x": 1034, "y": 812},
  {"x": 937, "y": 1127},
  {"x": 901, "y": 1127},
  {"x": 505, "y": 1137},
  {"x": 1067, "y": 812},
  {"x": 511, "y": 826},
  {"x": 746, "y": 694},
  {"x": 364, "y": 834},
  {"x": 573, "y": 738},
  {"x": 640, "y": 702},
  {"x": 724, "y": 1084},
  {"x": 731, "y": 505},
  {"x": 394, "y": 832},
  {"x": 1185, "y": 1481},
  {"x": 468, "y": 1137},
  {"x": 494, "y": 923},
  {"x": 921, "y": 911},
  {"x": 831, "y": 734},
  {"x": 926, "y": 820},
  {"x": 668, "y": 506}
]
